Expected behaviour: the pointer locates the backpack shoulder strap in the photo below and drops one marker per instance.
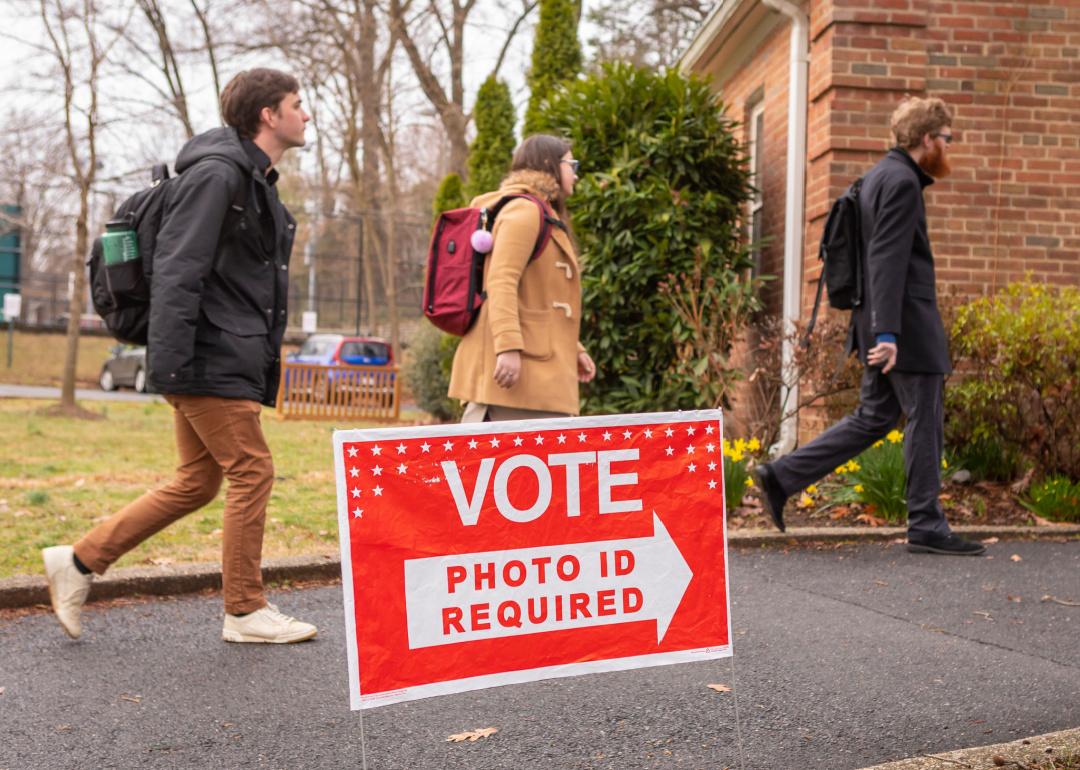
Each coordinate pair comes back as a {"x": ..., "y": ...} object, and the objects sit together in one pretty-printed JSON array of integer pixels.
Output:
[{"x": 547, "y": 219}]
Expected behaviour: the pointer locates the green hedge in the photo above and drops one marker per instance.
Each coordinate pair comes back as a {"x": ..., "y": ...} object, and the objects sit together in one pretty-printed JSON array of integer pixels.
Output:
[{"x": 1016, "y": 392}]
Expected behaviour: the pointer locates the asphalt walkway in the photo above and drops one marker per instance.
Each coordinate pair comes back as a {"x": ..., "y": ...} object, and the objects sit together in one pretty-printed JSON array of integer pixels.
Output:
[{"x": 846, "y": 656}]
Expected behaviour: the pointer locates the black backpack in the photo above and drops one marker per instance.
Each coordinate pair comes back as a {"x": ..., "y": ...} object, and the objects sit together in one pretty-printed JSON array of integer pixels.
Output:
[
  {"x": 120, "y": 292},
  {"x": 841, "y": 254}
]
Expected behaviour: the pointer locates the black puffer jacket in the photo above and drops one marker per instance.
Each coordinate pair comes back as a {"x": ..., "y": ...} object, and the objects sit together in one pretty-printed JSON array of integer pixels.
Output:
[{"x": 220, "y": 280}]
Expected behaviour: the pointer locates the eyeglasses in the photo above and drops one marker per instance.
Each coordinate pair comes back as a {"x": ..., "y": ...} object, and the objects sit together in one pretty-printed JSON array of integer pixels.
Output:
[
  {"x": 947, "y": 137},
  {"x": 574, "y": 164}
]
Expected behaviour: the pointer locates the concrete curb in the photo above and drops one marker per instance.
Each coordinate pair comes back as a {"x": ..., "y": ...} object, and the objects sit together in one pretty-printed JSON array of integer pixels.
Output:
[
  {"x": 1029, "y": 751},
  {"x": 30, "y": 590}
]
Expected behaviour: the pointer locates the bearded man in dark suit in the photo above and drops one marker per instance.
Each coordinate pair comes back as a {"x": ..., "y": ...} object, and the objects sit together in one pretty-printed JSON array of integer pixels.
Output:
[{"x": 898, "y": 335}]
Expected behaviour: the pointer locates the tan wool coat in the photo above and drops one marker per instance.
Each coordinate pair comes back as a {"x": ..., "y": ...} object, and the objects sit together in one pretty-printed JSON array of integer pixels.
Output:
[{"x": 533, "y": 307}]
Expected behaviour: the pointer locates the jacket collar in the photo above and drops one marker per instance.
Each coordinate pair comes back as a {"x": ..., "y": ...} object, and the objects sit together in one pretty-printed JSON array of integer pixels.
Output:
[
  {"x": 539, "y": 183},
  {"x": 925, "y": 180},
  {"x": 260, "y": 160}
]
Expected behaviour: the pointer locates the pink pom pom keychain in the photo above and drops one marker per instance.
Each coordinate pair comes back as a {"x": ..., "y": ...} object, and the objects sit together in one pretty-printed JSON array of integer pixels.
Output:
[{"x": 481, "y": 241}]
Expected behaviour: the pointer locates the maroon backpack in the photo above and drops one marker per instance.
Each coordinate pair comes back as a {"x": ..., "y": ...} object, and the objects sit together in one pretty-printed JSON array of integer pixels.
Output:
[{"x": 461, "y": 240}]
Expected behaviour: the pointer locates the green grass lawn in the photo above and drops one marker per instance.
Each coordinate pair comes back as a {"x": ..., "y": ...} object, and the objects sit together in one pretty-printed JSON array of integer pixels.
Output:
[
  {"x": 58, "y": 476},
  {"x": 38, "y": 359}
]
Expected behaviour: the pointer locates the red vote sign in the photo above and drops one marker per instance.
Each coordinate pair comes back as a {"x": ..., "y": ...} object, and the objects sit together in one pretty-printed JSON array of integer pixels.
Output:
[{"x": 497, "y": 553}]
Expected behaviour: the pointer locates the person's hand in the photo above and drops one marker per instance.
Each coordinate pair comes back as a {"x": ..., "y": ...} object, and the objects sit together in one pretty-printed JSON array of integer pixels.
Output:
[
  {"x": 508, "y": 368},
  {"x": 586, "y": 369},
  {"x": 882, "y": 354}
]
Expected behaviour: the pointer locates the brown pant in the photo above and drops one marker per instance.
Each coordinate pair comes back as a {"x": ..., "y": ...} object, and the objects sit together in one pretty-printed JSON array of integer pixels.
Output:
[{"x": 215, "y": 437}]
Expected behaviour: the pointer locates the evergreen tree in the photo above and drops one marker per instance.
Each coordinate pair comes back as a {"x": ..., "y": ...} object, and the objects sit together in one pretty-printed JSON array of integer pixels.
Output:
[
  {"x": 657, "y": 213},
  {"x": 491, "y": 151},
  {"x": 556, "y": 56},
  {"x": 451, "y": 195}
]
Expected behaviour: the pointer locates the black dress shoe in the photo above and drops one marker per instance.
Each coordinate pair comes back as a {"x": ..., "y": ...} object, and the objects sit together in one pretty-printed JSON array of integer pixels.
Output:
[
  {"x": 950, "y": 545},
  {"x": 772, "y": 495}
]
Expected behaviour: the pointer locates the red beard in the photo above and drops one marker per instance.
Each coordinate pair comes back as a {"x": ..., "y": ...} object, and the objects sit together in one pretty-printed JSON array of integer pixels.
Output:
[{"x": 935, "y": 162}]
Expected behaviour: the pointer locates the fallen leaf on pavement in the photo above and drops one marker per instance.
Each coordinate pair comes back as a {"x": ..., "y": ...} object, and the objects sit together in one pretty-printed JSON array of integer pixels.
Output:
[
  {"x": 990, "y": 541},
  {"x": 983, "y": 614},
  {"x": 1055, "y": 600},
  {"x": 1045, "y": 522},
  {"x": 871, "y": 519},
  {"x": 1016, "y": 557},
  {"x": 719, "y": 687},
  {"x": 880, "y": 583},
  {"x": 472, "y": 735},
  {"x": 1012, "y": 598},
  {"x": 132, "y": 698}
]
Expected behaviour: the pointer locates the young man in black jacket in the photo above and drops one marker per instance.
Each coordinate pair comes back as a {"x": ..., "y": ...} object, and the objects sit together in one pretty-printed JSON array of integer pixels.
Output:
[
  {"x": 217, "y": 318},
  {"x": 898, "y": 334}
]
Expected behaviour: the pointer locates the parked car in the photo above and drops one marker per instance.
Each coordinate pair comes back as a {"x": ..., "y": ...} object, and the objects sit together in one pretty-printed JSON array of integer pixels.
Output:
[
  {"x": 125, "y": 367},
  {"x": 341, "y": 350},
  {"x": 337, "y": 349}
]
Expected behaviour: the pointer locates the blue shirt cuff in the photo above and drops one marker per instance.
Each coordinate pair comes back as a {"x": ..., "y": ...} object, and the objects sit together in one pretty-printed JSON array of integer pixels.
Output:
[{"x": 890, "y": 338}]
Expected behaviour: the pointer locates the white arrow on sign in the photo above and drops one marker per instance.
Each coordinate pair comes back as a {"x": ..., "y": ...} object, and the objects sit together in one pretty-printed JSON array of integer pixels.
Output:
[{"x": 466, "y": 597}]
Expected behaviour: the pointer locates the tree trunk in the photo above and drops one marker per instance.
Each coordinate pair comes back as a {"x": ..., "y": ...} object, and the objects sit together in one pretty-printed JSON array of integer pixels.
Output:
[{"x": 77, "y": 305}]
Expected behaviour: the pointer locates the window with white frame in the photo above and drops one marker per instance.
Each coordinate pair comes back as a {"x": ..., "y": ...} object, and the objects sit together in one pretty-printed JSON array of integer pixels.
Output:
[{"x": 757, "y": 154}]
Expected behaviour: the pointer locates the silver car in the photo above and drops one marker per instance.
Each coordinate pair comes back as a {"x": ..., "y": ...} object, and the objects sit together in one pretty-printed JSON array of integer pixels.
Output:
[{"x": 125, "y": 367}]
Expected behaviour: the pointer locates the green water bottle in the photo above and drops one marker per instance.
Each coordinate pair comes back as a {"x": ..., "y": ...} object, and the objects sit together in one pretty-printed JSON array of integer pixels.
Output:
[{"x": 120, "y": 243}]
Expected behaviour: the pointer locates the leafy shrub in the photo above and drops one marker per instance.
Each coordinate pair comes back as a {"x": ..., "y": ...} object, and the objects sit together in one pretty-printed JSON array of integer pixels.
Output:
[
  {"x": 427, "y": 372},
  {"x": 1056, "y": 498},
  {"x": 990, "y": 460},
  {"x": 876, "y": 477},
  {"x": 663, "y": 184},
  {"x": 1018, "y": 355}
]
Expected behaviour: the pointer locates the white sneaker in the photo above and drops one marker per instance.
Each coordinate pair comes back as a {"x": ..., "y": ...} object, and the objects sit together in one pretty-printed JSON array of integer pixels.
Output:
[
  {"x": 68, "y": 587},
  {"x": 266, "y": 626}
]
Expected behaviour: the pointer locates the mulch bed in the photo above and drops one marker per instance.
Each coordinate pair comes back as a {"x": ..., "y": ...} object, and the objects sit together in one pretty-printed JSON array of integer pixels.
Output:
[{"x": 983, "y": 502}]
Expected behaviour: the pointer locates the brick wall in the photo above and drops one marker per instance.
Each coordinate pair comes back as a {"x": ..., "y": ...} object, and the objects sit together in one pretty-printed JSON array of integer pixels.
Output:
[
  {"x": 1011, "y": 71},
  {"x": 765, "y": 79}
]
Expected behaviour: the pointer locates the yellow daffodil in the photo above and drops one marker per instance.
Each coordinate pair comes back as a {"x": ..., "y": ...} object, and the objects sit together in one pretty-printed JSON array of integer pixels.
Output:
[
  {"x": 749, "y": 481},
  {"x": 727, "y": 447},
  {"x": 895, "y": 436},
  {"x": 806, "y": 501},
  {"x": 859, "y": 488},
  {"x": 736, "y": 456},
  {"x": 944, "y": 463},
  {"x": 740, "y": 445},
  {"x": 753, "y": 445},
  {"x": 812, "y": 489},
  {"x": 878, "y": 444},
  {"x": 840, "y": 470},
  {"x": 853, "y": 466}
]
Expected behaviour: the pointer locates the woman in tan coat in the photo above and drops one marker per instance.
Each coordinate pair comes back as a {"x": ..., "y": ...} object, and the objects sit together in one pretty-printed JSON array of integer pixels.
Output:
[{"x": 522, "y": 359}]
